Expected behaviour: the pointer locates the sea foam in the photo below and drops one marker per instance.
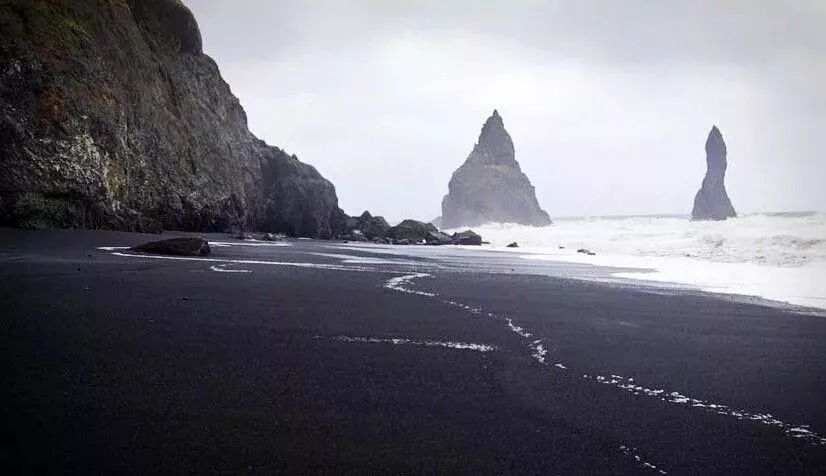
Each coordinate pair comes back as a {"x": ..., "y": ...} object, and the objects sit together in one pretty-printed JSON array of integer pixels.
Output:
[{"x": 780, "y": 257}]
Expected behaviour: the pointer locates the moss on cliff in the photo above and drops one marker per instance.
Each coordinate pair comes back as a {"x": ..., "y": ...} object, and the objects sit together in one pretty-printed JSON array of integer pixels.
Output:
[{"x": 111, "y": 116}]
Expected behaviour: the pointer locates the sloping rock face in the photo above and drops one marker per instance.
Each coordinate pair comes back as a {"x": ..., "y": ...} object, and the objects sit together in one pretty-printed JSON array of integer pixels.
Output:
[
  {"x": 490, "y": 186},
  {"x": 712, "y": 201},
  {"x": 112, "y": 117}
]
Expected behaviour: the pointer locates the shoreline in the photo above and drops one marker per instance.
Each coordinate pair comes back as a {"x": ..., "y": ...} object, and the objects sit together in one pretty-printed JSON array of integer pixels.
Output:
[
  {"x": 634, "y": 273},
  {"x": 323, "y": 357}
]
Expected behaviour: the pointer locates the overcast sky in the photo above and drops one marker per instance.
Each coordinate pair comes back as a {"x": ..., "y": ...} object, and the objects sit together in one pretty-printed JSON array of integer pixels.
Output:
[{"x": 608, "y": 102}]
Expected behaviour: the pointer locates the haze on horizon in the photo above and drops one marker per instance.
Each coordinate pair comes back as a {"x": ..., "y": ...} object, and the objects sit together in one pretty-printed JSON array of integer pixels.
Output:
[{"x": 608, "y": 103}]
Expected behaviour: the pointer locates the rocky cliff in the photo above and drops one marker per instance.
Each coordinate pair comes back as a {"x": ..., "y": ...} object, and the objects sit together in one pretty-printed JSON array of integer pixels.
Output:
[
  {"x": 712, "y": 201},
  {"x": 490, "y": 186},
  {"x": 111, "y": 116}
]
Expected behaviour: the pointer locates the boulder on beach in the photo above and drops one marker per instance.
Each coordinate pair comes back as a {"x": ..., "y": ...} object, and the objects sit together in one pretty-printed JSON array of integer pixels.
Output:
[
  {"x": 184, "y": 246},
  {"x": 411, "y": 230},
  {"x": 712, "y": 201},
  {"x": 438, "y": 238},
  {"x": 513, "y": 245},
  {"x": 372, "y": 226},
  {"x": 467, "y": 237},
  {"x": 490, "y": 186},
  {"x": 270, "y": 237},
  {"x": 586, "y": 251},
  {"x": 355, "y": 235}
]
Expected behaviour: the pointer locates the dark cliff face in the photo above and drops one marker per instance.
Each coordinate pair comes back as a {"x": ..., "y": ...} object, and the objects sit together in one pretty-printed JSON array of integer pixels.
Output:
[
  {"x": 112, "y": 117},
  {"x": 712, "y": 201},
  {"x": 490, "y": 186}
]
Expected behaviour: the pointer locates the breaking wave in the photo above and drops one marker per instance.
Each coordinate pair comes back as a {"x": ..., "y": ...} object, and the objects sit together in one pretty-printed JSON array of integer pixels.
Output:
[
  {"x": 781, "y": 257},
  {"x": 785, "y": 240}
]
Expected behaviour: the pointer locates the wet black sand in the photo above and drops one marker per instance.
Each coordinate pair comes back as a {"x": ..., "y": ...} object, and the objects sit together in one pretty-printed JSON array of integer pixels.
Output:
[{"x": 118, "y": 365}]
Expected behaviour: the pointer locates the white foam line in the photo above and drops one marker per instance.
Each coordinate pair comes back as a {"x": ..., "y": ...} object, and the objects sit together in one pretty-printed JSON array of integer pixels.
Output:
[
  {"x": 247, "y": 243},
  {"x": 632, "y": 453},
  {"x": 794, "y": 431},
  {"x": 353, "y": 259},
  {"x": 405, "y": 341},
  {"x": 220, "y": 268},
  {"x": 539, "y": 353},
  {"x": 243, "y": 261},
  {"x": 397, "y": 284},
  {"x": 113, "y": 248},
  {"x": 514, "y": 328},
  {"x": 470, "y": 309}
]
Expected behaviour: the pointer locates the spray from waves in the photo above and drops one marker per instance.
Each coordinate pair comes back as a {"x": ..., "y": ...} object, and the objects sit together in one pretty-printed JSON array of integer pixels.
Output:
[{"x": 784, "y": 240}]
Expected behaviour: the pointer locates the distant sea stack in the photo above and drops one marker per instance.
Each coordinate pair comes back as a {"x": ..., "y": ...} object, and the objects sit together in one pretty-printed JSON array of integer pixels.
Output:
[
  {"x": 111, "y": 116},
  {"x": 490, "y": 186},
  {"x": 711, "y": 201}
]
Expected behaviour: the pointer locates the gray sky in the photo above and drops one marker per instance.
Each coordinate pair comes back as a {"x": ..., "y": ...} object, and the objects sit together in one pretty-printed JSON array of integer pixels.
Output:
[{"x": 608, "y": 102}]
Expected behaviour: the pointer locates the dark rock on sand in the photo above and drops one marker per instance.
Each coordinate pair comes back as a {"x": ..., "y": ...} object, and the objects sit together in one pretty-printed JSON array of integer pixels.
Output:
[
  {"x": 467, "y": 237},
  {"x": 187, "y": 246},
  {"x": 372, "y": 227},
  {"x": 438, "y": 238},
  {"x": 490, "y": 186},
  {"x": 586, "y": 251},
  {"x": 411, "y": 230},
  {"x": 712, "y": 201},
  {"x": 112, "y": 117},
  {"x": 355, "y": 235},
  {"x": 513, "y": 245}
]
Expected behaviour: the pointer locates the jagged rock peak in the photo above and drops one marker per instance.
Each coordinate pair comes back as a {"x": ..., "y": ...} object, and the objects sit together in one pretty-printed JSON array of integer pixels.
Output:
[
  {"x": 495, "y": 144},
  {"x": 712, "y": 201},
  {"x": 715, "y": 145},
  {"x": 490, "y": 186}
]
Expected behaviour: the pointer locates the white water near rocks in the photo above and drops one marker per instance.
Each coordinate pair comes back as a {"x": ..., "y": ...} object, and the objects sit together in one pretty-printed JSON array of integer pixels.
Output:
[{"x": 781, "y": 257}]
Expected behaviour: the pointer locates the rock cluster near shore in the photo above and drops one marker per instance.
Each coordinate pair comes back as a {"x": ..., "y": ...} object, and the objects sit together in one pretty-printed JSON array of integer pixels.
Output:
[
  {"x": 712, "y": 201},
  {"x": 490, "y": 186},
  {"x": 409, "y": 232},
  {"x": 112, "y": 117}
]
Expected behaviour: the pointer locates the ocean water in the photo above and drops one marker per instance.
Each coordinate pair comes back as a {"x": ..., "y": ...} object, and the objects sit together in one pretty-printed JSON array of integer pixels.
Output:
[{"x": 778, "y": 256}]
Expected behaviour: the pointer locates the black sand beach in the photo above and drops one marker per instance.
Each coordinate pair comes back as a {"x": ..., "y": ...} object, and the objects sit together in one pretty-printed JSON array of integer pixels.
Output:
[{"x": 278, "y": 359}]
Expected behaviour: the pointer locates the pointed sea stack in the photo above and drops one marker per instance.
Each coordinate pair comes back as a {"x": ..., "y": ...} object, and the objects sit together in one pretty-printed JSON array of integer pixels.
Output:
[
  {"x": 490, "y": 186},
  {"x": 711, "y": 201}
]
